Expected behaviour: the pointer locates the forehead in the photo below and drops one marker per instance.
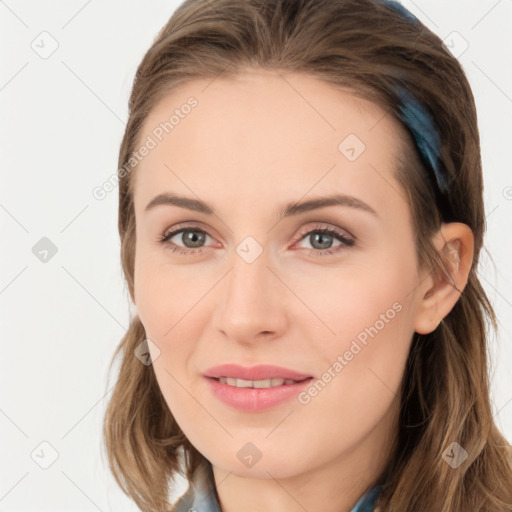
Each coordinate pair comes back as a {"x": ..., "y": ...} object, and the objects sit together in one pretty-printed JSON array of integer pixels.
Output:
[{"x": 264, "y": 131}]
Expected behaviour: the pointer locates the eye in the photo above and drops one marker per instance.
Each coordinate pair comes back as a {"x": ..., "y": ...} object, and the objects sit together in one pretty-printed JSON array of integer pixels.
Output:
[
  {"x": 191, "y": 236},
  {"x": 322, "y": 239}
]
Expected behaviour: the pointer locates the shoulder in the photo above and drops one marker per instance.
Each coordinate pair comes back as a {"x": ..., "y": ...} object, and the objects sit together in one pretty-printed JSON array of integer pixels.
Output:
[{"x": 185, "y": 502}]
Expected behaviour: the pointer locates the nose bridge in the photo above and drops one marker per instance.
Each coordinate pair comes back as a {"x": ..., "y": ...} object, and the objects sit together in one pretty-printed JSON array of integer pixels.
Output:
[
  {"x": 248, "y": 283},
  {"x": 247, "y": 279},
  {"x": 251, "y": 300}
]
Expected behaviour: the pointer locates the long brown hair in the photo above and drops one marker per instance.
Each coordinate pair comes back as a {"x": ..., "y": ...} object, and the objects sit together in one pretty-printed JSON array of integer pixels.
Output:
[{"x": 365, "y": 46}]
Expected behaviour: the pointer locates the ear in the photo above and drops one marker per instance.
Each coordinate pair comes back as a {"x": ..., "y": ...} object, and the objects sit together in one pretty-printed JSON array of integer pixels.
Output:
[{"x": 438, "y": 294}]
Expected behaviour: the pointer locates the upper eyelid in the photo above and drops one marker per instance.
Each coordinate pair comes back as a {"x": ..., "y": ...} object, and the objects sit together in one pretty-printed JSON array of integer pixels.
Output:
[
  {"x": 187, "y": 225},
  {"x": 328, "y": 227}
]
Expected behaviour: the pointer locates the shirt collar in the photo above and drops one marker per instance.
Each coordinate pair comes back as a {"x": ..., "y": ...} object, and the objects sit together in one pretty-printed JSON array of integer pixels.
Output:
[{"x": 201, "y": 495}]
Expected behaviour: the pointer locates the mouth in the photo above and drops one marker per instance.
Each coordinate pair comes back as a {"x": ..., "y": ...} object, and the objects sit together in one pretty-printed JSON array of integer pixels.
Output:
[{"x": 256, "y": 388}]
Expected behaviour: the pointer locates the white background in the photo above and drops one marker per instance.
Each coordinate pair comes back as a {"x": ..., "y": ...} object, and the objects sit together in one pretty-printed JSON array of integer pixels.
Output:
[{"x": 62, "y": 120}]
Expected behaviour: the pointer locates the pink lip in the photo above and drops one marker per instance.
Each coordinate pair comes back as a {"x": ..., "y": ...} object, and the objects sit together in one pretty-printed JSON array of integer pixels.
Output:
[
  {"x": 255, "y": 399},
  {"x": 259, "y": 372}
]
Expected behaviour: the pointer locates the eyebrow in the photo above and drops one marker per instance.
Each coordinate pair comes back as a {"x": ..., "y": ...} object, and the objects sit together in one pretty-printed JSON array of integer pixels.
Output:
[{"x": 290, "y": 209}]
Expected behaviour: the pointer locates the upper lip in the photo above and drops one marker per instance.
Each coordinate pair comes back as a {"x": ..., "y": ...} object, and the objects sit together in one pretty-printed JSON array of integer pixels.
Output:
[{"x": 259, "y": 372}]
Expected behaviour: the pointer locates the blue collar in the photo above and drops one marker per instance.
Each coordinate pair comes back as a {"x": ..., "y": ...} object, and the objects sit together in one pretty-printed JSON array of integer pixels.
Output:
[{"x": 202, "y": 497}]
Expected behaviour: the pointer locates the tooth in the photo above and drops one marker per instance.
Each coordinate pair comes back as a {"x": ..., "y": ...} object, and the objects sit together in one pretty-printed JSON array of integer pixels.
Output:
[
  {"x": 241, "y": 383},
  {"x": 261, "y": 383}
]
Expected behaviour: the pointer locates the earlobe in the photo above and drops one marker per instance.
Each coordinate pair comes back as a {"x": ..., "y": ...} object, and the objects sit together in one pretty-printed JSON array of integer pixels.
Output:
[{"x": 441, "y": 290}]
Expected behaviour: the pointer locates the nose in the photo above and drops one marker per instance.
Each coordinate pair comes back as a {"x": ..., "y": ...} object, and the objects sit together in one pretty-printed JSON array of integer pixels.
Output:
[{"x": 252, "y": 302}]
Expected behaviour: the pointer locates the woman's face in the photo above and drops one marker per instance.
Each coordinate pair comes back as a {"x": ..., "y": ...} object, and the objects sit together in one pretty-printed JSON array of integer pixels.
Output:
[{"x": 250, "y": 279}]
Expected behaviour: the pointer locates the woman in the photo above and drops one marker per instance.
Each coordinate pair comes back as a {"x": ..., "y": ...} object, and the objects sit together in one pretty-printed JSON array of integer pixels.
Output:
[{"x": 301, "y": 217}]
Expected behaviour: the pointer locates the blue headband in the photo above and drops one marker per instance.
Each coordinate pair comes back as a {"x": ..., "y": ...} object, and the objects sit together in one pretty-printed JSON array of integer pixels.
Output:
[
  {"x": 400, "y": 9},
  {"x": 419, "y": 120},
  {"x": 422, "y": 126}
]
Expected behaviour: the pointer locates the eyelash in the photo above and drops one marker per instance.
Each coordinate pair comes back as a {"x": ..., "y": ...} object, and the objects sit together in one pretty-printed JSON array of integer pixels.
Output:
[{"x": 183, "y": 251}]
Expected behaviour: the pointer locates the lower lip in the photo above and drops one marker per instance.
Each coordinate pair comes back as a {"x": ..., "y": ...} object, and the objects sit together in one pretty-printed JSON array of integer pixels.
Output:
[{"x": 255, "y": 399}]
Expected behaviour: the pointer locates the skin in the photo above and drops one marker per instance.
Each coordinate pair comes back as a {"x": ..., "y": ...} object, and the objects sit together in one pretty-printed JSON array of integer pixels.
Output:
[{"x": 253, "y": 144}]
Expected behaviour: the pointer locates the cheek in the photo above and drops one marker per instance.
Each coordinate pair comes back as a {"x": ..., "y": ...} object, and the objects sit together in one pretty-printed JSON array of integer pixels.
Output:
[
  {"x": 168, "y": 304},
  {"x": 165, "y": 306},
  {"x": 165, "y": 294},
  {"x": 363, "y": 364},
  {"x": 370, "y": 312},
  {"x": 350, "y": 301}
]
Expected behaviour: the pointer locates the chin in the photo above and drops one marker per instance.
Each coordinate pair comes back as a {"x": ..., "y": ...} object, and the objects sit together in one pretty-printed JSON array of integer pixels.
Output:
[{"x": 255, "y": 460}]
